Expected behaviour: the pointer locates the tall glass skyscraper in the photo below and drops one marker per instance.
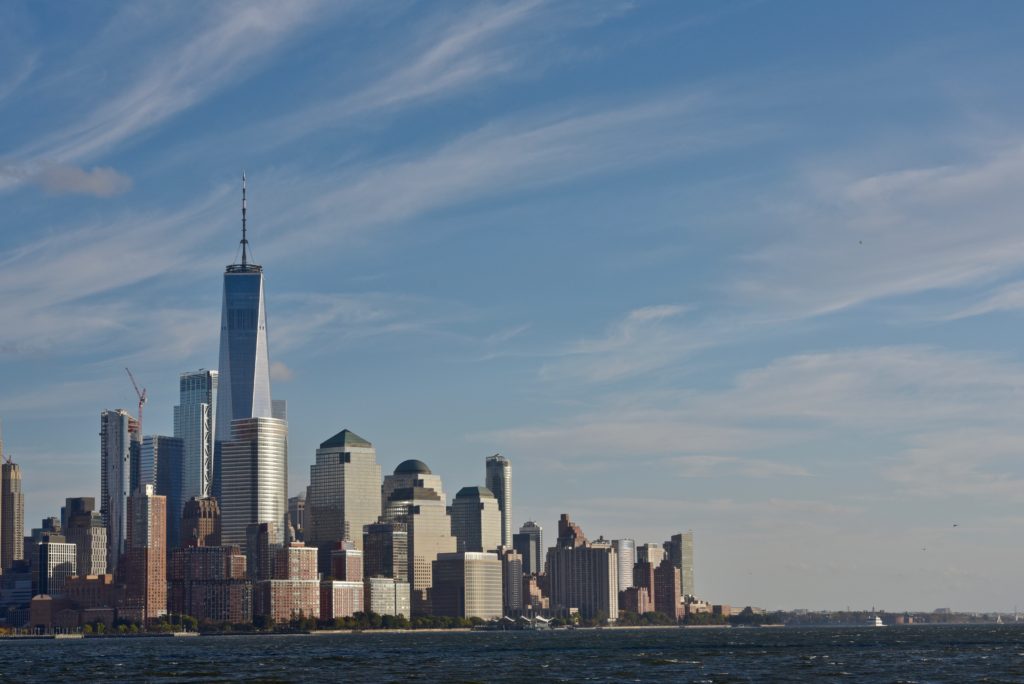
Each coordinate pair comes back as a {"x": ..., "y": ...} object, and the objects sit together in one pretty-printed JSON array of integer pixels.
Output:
[
  {"x": 499, "y": 481},
  {"x": 119, "y": 450},
  {"x": 194, "y": 423},
  {"x": 251, "y": 448},
  {"x": 244, "y": 385}
]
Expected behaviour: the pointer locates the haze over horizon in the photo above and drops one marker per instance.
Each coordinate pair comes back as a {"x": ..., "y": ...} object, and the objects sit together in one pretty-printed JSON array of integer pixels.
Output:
[{"x": 745, "y": 268}]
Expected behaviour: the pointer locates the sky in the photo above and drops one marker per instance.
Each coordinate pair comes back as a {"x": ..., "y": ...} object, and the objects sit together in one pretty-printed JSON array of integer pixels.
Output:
[{"x": 752, "y": 269}]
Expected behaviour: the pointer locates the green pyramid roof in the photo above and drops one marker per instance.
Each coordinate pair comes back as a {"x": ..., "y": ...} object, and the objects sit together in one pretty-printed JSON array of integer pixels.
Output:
[{"x": 345, "y": 438}]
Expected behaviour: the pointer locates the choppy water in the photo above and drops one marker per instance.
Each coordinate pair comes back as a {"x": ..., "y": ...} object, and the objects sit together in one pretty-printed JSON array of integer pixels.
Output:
[{"x": 893, "y": 654}]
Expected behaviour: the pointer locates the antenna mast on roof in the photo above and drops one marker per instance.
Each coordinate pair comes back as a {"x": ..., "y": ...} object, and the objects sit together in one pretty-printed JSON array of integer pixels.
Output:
[{"x": 245, "y": 241}]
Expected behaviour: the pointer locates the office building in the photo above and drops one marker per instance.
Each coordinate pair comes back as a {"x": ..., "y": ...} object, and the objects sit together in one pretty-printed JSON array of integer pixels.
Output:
[
  {"x": 625, "y": 549},
  {"x": 209, "y": 583},
  {"x": 425, "y": 515},
  {"x": 195, "y": 425},
  {"x": 344, "y": 493},
  {"x": 145, "y": 575},
  {"x": 254, "y": 466},
  {"x": 411, "y": 473},
  {"x": 119, "y": 457},
  {"x": 476, "y": 520},
  {"x": 582, "y": 575},
  {"x": 511, "y": 581},
  {"x": 83, "y": 527},
  {"x": 386, "y": 550},
  {"x": 200, "y": 522},
  {"x": 12, "y": 514},
  {"x": 297, "y": 515},
  {"x": 243, "y": 386},
  {"x": 467, "y": 585},
  {"x": 529, "y": 542},
  {"x": 650, "y": 553},
  {"x": 57, "y": 561},
  {"x": 386, "y": 596},
  {"x": 499, "y": 481},
  {"x": 680, "y": 552},
  {"x": 161, "y": 464}
]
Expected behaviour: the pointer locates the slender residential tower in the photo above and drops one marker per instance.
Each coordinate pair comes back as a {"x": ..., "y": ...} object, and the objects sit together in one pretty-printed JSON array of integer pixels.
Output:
[
  {"x": 194, "y": 422},
  {"x": 243, "y": 388},
  {"x": 119, "y": 456},
  {"x": 251, "y": 450}
]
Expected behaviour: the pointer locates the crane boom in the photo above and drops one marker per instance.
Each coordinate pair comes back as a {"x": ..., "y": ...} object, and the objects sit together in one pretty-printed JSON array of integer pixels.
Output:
[{"x": 142, "y": 398}]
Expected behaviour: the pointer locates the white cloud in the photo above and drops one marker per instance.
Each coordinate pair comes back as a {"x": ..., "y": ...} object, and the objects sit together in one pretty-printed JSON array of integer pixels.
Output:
[
  {"x": 280, "y": 372},
  {"x": 101, "y": 181}
]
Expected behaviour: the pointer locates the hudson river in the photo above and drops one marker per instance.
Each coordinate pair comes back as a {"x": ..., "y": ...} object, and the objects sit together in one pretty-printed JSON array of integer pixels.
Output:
[{"x": 890, "y": 654}]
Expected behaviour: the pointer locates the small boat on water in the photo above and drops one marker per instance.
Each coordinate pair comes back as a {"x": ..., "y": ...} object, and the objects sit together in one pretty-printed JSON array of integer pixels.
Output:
[{"x": 875, "y": 621}]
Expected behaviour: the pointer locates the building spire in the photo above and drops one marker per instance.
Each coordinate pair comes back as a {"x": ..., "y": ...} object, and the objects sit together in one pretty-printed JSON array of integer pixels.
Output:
[{"x": 245, "y": 241}]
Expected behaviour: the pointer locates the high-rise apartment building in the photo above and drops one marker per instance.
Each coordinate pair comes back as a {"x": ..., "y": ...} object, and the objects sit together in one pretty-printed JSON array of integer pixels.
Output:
[
  {"x": 161, "y": 464},
  {"x": 429, "y": 533},
  {"x": 294, "y": 590},
  {"x": 667, "y": 595},
  {"x": 209, "y": 583},
  {"x": 499, "y": 481},
  {"x": 476, "y": 520},
  {"x": 344, "y": 493},
  {"x": 529, "y": 542},
  {"x": 511, "y": 581},
  {"x": 254, "y": 467},
  {"x": 467, "y": 585},
  {"x": 346, "y": 562},
  {"x": 386, "y": 551},
  {"x": 386, "y": 596},
  {"x": 12, "y": 514},
  {"x": 145, "y": 573},
  {"x": 195, "y": 424},
  {"x": 119, "y": 457},
  {"x": 243, "y": 388},
  {"x": 582, "y": 574},
  {"x": 625, "y": 549}
]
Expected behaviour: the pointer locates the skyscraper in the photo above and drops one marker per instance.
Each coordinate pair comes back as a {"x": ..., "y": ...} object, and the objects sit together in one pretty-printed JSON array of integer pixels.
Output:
[
  {"x": 12, "y": 514},
  {"x": 499, "y": 481},
  {"x": 626, "y": 550},
  {"x": 243, "y": 388},
  {"x": 582, "y": 574},
  {"x": 429, "y": 533},
  {"x": 118, "y": 458},
  {"x": 344, "y": 493},
  {"x": 680, "y": 552},
  {"x": 386, "y": 550},
  {"x": 83, "y": 526},
  {"x": 162, "y": 465},
  {"x": 255, "y": 472},
  {"x": 530, "y": 544},
  {"x": 194, "y": 423},
  {"x": 467, "y": 585},
  {"x": 146, "y": 554},
  {"x": 476, "y": 520},
  {"x": 411, "y": 473},
  {"x": 200, "y": 522}
]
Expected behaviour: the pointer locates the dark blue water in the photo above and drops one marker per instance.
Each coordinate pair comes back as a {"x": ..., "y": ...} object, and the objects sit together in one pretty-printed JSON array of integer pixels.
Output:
[{"x": 892, "y": 654}]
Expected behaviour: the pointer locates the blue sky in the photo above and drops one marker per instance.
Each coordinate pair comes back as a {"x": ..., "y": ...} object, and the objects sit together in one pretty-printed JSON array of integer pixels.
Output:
[{"x": 749, "y": 268}]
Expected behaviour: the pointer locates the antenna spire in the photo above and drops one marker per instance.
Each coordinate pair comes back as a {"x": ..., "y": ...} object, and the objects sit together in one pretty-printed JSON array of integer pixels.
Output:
[{"x": 245, "y": 241}]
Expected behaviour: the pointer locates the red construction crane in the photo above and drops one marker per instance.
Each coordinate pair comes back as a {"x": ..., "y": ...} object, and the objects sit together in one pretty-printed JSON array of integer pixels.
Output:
[{"x": 142, "y": 398}]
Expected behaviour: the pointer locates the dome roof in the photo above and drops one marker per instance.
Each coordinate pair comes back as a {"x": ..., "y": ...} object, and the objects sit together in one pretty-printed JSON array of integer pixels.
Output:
[{"x": 412, "y": 466}]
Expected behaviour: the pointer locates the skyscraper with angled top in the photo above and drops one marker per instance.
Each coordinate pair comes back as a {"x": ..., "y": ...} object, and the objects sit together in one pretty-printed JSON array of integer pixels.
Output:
[
  {"x": 499, "y": 481},
  {"x": 251, "y": 450},
  {"x": 12, "y": 513},
  {"x": 243, "y": 386}
]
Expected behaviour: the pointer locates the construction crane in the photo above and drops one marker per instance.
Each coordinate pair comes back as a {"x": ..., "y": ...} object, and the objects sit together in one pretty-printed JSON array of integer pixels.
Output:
[{"x": 142, "y": 398}]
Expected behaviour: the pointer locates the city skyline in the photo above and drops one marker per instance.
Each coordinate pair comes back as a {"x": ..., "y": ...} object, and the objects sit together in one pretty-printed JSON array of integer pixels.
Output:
[{"x": 738, "y": 268}]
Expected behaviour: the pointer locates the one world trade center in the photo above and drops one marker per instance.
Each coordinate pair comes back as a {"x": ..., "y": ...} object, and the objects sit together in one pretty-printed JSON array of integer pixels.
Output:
[{"x": 250, "y": 460}]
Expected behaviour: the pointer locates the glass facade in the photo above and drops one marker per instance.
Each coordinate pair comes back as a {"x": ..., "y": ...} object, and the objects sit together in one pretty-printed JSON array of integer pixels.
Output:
[
  {"x": 162, "y": 465},
  {"x": 476, "y": 520},
  {"x": 429, "y": 533},
  {"x": 530, "y": 543},
  {"x": 195, "y": 424},
  {"x": 499, "y": 481},
  {"x": 243, "y": 389},
  {"x": 255, "y": 470},
  {"x": 626, "y": 550},
  {"x": 117, "y": 434}
]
